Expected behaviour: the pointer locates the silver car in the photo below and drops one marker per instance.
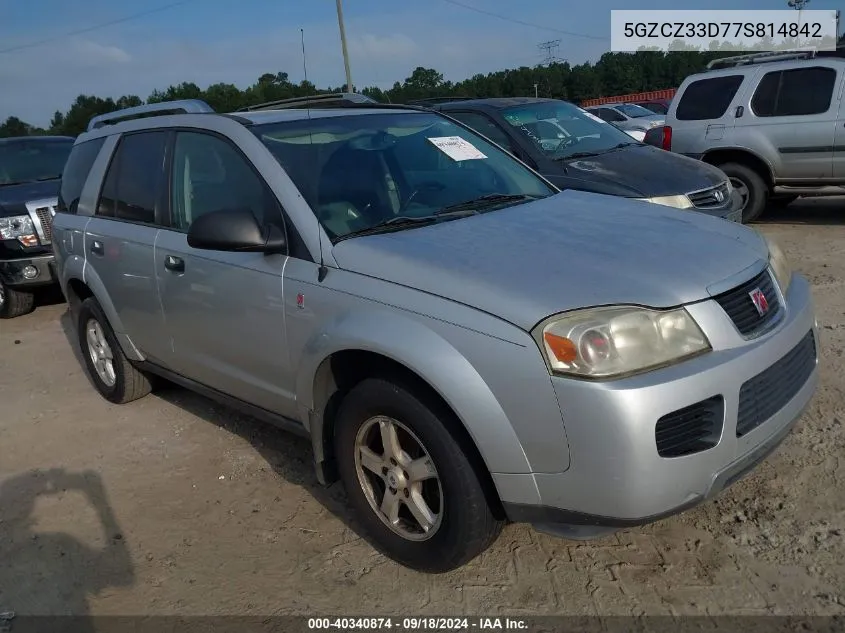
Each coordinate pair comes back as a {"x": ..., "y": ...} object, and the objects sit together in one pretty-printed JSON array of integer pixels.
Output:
[
  {"x": 773, "y": 122},
  {"x": 628, "y": 117},
  {"x": 463, "y": 343}
]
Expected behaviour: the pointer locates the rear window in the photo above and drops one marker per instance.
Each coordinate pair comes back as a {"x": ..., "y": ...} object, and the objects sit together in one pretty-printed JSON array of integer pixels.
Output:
[
  {"x": 78, "y": 165},
  {"x": 708, "y": 98},
  {"x": 798, "y": 92}
]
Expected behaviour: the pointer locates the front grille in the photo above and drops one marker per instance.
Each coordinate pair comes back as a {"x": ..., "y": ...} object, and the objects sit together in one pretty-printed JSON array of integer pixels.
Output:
[
  {"x": 709, "y": 198},
  {"x": 740, "y": 308},
  {"x": 45, "y": 216},
  {"x": 692, "y": 429},
  {"x": 769, "y": 391}
]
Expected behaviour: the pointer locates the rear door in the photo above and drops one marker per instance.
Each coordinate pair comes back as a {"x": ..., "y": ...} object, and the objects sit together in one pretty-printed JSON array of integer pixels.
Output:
[
  {"x": 120, "y": 238},
  {"x": 225, "y": 311},
  {"x": 793, "y": 115},
  {"x": 705, "y": 113}
]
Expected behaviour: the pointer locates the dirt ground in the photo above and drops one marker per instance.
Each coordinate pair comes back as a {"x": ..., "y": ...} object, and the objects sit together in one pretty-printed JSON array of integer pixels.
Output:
[{"x": 176, "y": 505}]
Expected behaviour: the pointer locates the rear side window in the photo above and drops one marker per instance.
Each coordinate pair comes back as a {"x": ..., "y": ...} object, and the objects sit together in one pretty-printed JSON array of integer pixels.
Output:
[
  {"x": 708, "y": 98},
  {"x": 798, "y": 92},
  {"x": 134, "y": 178},
  {"x": 75, "y": 173}
]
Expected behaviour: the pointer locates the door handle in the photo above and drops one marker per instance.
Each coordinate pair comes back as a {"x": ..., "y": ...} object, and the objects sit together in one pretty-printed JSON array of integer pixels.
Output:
[
  {"x": 174, "y": 264},
  {"x": 97, "y": 248}
]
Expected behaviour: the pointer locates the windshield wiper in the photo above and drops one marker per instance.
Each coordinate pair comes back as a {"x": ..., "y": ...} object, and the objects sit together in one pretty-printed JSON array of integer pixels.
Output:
[
  {"x": 43, "y": 178},
  {"x": 581, "y": 155},
  {"x": 402, "y": 221},
  {"x": 9, "y": 183},
  {"x": 483, "y": 202}
]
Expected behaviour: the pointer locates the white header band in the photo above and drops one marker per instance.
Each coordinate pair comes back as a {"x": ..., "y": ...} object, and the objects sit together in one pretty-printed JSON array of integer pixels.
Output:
[{"x": 740, "y": 31}]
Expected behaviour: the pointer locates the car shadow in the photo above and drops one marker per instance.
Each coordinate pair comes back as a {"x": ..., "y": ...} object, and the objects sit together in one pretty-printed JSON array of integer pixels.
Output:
[
  {"x": 289, "y": 455},
  {"x": 53, "y": 573},
  {"x": 820, "y": 211},
  {"x": 49, "y": 296}
]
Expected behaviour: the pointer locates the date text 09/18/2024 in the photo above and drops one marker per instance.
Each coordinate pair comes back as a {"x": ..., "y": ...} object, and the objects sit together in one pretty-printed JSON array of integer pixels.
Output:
[{"x": 419, "y": 624}]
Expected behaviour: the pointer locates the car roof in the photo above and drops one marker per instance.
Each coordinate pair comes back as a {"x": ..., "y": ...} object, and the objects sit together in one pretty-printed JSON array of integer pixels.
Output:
[
  {"x": 256, "y": 117},
  {"x": 786, "y": 64},
  {"x": 296, "y": 114},
  {"x": 38, "y": 139},
  {"x": 497, "y": 103}
]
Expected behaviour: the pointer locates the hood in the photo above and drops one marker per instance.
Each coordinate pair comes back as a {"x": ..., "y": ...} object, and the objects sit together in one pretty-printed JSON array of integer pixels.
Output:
[
  {"x": 636, "y": 171},
  {"x": 18, "y": 195},
  {"x": 571, "y": 250}
]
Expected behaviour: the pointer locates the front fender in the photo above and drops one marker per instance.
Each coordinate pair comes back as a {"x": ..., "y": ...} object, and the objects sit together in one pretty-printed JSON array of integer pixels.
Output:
[{"x": 409, "y": 341}]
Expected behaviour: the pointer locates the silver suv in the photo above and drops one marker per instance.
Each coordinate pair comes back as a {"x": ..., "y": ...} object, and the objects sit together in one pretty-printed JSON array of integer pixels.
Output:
[
  {"x": 463, "y": 343},
  {"x": 773, "y": 122}
]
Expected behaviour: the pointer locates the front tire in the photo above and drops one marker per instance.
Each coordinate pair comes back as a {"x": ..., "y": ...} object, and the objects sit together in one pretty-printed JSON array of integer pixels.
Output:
[
  {"x": 751, "y": 187},
  {"x": 15, "y": 303},
  {"x": 113, "y": 375},
  {"x": 408, "y": 480}
]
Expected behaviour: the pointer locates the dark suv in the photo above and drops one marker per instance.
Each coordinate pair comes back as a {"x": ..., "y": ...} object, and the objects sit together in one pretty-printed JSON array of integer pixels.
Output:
[
  {"x": 30, "y": 169},
  {"x": 577, "y": 150}
]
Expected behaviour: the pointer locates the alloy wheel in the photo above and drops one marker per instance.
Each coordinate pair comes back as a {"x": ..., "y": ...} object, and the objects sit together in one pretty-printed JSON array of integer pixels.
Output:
[
  {"x": 100, "y": 352},
  {"x": 398, "y": 478}
]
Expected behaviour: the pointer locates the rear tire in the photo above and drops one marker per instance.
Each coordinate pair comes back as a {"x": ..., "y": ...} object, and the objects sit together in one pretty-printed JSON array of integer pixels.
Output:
[
  {"x": 113, "y": 375},
  {"x": 15, "y": 303},
  {"x": 430, "y": 465},
  {"x": 752, "y": 188}
]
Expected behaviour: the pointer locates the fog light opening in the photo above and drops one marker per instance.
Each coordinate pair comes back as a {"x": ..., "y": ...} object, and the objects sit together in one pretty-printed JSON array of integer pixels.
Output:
[{"x": 30, "y": 272}]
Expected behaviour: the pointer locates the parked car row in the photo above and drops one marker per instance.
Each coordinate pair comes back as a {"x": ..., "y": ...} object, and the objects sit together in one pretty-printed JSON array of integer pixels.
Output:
[
  {"x": 464, "y": 341},
  {"x": 773, "y": 122}
]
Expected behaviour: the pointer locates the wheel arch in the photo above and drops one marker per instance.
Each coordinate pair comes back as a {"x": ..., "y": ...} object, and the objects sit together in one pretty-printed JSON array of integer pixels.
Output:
[
  {"x": 745, "y": 157},
  {"x": 77, "y": 290},
  {"x": 430, "y": 366}
]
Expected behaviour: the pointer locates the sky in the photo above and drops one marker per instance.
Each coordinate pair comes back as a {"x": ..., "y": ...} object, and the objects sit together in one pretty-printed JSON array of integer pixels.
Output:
[{"x": 235, "y": 41}]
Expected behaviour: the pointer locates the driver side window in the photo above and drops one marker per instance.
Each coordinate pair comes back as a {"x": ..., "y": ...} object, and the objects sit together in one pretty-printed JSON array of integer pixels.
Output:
[{"x": 211, "y": 175}]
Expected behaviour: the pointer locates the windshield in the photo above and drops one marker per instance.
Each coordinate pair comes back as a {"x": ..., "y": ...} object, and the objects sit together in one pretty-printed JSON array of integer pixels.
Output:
[
  {"x": 32, "y": 160},
  {"x": 366, "y": 170},
  {"x": 633, "y": 110},
  {"x": 561, "y": 130}
]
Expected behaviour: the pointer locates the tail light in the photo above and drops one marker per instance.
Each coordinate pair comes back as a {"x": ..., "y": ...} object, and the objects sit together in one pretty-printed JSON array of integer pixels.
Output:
[{"x": 667, "y": 138}]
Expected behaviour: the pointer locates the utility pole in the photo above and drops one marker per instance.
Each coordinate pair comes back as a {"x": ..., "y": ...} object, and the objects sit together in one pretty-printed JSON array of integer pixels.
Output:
[
  {"x": 343, "y": 46},
  {"x": 535, "y": 91},
  {"x": 551, "y": 49}
]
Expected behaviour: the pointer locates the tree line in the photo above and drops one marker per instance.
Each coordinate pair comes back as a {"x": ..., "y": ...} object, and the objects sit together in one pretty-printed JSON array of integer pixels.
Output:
[{"x": 612, "y": 74}]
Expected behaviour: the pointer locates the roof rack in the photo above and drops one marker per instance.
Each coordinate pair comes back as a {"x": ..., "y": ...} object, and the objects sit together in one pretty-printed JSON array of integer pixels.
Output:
[
  {"x": 438, "y": 100},
  {"x": 184, "y": 106},
  {"x": 762, "y": 58},
  {"x": 317, "y": 101}
]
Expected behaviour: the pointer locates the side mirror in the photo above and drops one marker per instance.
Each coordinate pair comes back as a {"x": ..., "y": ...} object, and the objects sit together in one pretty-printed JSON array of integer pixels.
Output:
[{"x": 235, "y": 230}]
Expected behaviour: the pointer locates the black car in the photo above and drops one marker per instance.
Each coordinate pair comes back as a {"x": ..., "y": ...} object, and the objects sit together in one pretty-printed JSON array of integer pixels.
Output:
[
  {"x": 30, "y": 172},
  {"x": 576, "y": 150}
]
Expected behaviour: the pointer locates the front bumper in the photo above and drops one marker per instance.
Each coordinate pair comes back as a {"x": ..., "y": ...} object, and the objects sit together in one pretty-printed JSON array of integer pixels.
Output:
[
  {"x": 12, "y": 271},
  {"x": 616, "y": 477}
]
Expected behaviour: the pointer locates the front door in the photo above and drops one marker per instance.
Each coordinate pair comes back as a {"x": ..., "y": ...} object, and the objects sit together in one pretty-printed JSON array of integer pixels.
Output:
[
  {"x": 120, "y": 237},
  {"x": 224, "y": 311}
]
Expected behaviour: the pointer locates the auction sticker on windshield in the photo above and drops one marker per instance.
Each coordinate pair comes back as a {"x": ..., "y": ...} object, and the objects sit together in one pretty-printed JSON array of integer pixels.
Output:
[{"x": 456, "y": 148}]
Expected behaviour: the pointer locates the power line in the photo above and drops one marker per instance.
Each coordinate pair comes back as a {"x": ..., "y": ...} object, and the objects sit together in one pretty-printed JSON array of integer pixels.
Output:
[
  {"x": 531, "y": 24},
  {"x": 102, "y": 25}
]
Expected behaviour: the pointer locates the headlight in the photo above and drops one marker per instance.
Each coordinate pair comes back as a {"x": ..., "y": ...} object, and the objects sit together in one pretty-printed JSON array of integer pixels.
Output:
[
  {"x": 679, "y": 201},
  {"x": 617, "y": 341},
  {"x": 779, "y": 264},
  {"x": 18, "y": 227}
]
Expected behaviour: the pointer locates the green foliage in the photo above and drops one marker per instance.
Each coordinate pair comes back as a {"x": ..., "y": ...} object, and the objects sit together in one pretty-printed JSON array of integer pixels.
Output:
[{"x": 613, "y": 73}]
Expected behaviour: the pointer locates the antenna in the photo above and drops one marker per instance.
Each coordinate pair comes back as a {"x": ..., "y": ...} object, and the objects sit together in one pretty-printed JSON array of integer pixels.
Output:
[{"x": 322, "y": 271}]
